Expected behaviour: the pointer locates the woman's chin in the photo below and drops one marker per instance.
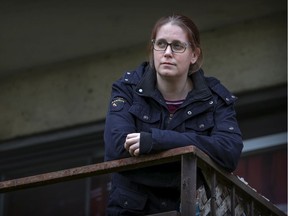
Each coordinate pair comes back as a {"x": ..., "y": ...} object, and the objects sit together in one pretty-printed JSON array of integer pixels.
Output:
[{"x": 167, "y": 73}]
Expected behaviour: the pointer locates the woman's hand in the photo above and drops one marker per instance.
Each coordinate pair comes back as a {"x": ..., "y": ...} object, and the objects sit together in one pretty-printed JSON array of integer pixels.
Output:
[{"x": 132, "y": 144}]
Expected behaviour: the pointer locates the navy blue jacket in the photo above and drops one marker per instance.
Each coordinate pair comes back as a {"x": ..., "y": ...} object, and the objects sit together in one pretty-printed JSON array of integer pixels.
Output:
[{"x": 206, "y": 119}]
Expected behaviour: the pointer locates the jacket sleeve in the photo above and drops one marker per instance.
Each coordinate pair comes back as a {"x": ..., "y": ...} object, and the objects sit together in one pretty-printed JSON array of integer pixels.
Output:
[
  {"x": 223, "y": 145},
  {"x": 119, "y": 122}
]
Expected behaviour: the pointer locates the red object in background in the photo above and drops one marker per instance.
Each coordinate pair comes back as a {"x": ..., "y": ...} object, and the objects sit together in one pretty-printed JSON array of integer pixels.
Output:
[
  {"x": 266, "y": 172},
  {"x": 99, "y": 194}
]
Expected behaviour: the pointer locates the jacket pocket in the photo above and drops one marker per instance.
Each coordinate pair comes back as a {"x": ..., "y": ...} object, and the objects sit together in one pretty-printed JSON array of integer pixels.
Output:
[
  {"x": 230, "y": 127},
  {"x": 201, "y": 124},
  {"x": 128, "y": 199},
  {"x": 145, "y": 117}
]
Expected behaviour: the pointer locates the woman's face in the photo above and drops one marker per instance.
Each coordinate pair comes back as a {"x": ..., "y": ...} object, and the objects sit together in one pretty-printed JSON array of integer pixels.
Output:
[{"x": 168, "y": 63}]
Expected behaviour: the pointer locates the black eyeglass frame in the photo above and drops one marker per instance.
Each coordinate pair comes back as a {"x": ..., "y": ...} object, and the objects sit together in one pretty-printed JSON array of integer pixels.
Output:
[{"x": 153, "y": 41}]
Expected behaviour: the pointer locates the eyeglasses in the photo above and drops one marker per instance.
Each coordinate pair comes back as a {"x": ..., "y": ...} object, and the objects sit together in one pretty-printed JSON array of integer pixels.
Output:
[{"x": 176, "y": 46}]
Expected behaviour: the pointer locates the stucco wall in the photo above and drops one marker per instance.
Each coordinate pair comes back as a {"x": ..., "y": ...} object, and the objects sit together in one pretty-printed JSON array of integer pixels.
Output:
[
  {"x": 249, "y": 55},
  {"x": 244, "y": 56}
]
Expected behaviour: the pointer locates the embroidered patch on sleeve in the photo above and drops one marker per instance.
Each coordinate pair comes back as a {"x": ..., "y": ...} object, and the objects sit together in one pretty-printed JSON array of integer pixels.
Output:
[{"x": 117, "y": 104}]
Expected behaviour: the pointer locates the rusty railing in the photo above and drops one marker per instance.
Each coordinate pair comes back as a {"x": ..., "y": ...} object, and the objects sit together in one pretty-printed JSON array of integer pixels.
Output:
[{"x": 229, "y": 195}]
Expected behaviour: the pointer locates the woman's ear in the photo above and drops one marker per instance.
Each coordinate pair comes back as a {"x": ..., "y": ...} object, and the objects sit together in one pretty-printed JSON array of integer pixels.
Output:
[{"x": 195, "y": 55}]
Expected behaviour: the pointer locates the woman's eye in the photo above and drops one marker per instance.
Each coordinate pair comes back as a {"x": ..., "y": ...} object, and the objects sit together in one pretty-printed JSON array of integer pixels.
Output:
[
  {"x": 161, "y": 44},
  {"x": 177, "y": 46}
]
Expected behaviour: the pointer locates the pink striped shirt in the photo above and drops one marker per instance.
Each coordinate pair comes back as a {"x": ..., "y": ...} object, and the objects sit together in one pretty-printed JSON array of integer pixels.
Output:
[{"x": 173, "y": 105}]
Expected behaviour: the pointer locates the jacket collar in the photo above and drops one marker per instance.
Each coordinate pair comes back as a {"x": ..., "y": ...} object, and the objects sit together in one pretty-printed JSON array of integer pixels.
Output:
[
  {"x": 200, "y": 90},
  {"x": 147, "y": 85}
]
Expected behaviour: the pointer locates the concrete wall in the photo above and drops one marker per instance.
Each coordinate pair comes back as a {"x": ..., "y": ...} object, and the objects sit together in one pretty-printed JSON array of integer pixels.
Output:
[
  {"x": 244, "y": 56},
  {"x": 249, "y": 55}
]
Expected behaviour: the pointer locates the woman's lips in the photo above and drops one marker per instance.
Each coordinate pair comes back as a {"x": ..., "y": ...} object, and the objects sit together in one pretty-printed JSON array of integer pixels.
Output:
[{"x": 167, "y": 63}]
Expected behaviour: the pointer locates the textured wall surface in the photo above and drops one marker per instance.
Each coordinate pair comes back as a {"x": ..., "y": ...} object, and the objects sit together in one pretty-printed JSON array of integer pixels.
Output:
[{"x": 244, "y": 56}]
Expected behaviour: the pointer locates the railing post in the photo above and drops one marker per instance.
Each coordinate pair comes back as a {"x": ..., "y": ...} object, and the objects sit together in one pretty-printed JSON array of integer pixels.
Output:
[
  {"x": 252, "y": 208},
  {"x": 213, "y": 194},
  {"x": 188, "y": 184},
  {"x": 233, "y": 201}
]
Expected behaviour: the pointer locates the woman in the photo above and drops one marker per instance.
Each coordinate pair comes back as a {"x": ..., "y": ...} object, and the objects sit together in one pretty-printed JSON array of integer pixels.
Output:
[{"x": 165, "y": 104}]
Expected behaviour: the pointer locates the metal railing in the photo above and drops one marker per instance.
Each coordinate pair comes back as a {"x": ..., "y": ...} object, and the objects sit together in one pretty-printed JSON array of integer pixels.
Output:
[{"x": 229, "y": 195}]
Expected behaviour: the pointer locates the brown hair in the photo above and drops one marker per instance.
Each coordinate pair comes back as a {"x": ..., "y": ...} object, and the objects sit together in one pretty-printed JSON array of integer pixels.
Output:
[{"x": 192, "y": 32}]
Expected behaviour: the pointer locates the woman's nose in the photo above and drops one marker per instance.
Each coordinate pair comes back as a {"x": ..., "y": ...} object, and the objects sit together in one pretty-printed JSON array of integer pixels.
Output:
[{"x": 168, "y": 50}]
